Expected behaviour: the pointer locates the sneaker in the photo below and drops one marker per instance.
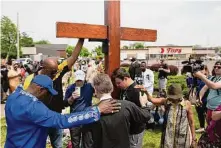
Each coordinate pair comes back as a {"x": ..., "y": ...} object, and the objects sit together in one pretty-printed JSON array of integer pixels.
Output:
[{"x": 200, "y": 130}]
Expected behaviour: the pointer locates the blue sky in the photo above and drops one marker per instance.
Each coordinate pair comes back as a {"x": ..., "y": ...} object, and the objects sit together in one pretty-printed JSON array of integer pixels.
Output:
[{"x": 177, "y": 22}]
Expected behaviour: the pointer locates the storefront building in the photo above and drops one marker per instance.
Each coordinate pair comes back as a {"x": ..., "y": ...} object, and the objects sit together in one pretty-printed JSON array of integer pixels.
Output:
[{"x": 165, "y": 52}]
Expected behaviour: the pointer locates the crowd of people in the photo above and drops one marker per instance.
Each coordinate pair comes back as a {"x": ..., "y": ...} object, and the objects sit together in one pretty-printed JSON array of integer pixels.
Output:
[{"x": 119, "y": 122}]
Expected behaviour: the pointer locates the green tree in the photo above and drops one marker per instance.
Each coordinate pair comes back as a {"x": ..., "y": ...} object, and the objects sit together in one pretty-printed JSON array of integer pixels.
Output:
[
  {"x": 139, "y": 45},
  {"x": 84, "y": 51},
  {"x": 42, "y": 42},
  {"x": 131, "y": 46},
  {"x": 8, "y": 38},
  {"x": 26, "y": 41},
  {"x": 99, "y": 52},
  {"x": 69, "y": 50},
  {"x": 125, "y": 47}
]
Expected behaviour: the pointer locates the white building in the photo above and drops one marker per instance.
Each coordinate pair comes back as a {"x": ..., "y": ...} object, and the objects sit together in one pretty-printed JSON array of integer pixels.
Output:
[{"x": 167, "y": 52}]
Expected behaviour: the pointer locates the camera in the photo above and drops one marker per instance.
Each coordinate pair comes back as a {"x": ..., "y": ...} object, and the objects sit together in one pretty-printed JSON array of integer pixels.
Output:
[
  {"x": 138, "y": 79},
  {"x": 192, "y": 66},
  {"x": 83, "y": 65}
]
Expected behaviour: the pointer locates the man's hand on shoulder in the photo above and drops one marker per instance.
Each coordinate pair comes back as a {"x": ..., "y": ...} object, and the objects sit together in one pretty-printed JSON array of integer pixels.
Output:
[{"x": 109, "y": 106}]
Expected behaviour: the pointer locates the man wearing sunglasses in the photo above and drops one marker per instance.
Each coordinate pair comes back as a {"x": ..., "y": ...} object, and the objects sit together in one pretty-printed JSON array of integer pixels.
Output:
[
  {"x": 51, "y": 68},
  {"x": 28, "y": 118}
]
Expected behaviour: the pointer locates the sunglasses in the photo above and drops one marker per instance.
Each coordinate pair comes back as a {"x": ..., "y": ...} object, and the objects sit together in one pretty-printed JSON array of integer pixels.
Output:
[{"x": 219, "y": 67}]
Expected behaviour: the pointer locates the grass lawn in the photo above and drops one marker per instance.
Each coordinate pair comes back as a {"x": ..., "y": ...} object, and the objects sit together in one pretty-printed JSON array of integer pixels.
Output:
[{"x": 151, "y": 138}]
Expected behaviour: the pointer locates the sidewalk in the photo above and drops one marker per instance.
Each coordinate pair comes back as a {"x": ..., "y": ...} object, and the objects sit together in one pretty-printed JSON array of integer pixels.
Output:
[{"x": 2, "y": 110}]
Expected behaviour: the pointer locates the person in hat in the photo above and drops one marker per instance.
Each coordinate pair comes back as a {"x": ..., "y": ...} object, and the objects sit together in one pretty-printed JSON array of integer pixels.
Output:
[
  {"x": 178, "y": 130},
  {"x": 79, "y": 96},
  {"x": 28, "y": 119},
  {"x": 50, "y": 67}
]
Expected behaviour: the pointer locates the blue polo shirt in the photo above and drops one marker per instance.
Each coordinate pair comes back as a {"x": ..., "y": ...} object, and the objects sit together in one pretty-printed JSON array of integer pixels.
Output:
[
  {"x": 28, "y": 119},
  {"x": 84, "y": 101}
]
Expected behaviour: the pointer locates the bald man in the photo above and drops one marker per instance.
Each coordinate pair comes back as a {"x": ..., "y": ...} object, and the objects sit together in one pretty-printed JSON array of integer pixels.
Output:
[{"x": 51, "y": 68}]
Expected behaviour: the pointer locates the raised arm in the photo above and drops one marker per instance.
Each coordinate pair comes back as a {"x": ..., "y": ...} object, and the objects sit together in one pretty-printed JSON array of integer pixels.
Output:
[
  {"x": 209, "y": 84},
  {"x": 74, "y": 56},
  {"x": 156, "y": 101}
]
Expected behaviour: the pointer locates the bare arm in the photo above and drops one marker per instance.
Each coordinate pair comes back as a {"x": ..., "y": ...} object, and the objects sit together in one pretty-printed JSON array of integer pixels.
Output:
[
  {"x": 156, "y": 101},
  {"x": 216, "y": 115},
  {"x": 166, "y": 70},
  {"x": 210, "y": 84},
  {"x": 202, "y": 92},
  {"x": 190, "y": 119},
  {"x": 74, "y": 56}
]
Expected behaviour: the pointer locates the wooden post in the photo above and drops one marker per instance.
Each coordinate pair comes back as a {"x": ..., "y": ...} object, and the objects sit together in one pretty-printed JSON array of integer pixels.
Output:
[{"x": 112, "y": 20}]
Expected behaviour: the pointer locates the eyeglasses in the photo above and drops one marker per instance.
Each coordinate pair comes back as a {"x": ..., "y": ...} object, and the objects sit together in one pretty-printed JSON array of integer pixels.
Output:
[{"x": 219, "y": 67}]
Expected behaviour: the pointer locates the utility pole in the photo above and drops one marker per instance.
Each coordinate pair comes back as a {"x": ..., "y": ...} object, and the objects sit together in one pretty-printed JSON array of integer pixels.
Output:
[{"x": 18, "y": 56}]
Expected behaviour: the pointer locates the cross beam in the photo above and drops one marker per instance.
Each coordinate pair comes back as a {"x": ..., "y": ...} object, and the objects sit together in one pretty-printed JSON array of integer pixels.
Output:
[
  {"x": 90, "y": 31},
  {"x": 110, "y": 33}
]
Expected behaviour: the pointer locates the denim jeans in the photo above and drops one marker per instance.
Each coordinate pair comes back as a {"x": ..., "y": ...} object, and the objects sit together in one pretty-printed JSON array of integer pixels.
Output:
[{"x": 56, "y": 137}]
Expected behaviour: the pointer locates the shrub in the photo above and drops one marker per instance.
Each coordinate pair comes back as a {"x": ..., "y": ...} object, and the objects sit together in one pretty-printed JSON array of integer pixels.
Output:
[
  {"x": 173, "y": 69},
  {"x": 172, "y": 79},
  {"x": 155, "y": 67}
]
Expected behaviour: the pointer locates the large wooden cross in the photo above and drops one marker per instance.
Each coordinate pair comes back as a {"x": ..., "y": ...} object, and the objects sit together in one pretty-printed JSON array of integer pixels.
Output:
[{"x": 110, "y": 34}]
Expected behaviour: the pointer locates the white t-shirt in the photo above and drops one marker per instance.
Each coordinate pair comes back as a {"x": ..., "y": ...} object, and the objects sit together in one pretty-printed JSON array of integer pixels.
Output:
[{"x": 148, "y": 80}]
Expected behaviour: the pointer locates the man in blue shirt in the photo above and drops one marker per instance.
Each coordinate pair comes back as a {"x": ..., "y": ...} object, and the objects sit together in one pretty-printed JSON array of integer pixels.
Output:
[
  {"x": 79, "y": 97},
  {"x": 28, "y": 118}
]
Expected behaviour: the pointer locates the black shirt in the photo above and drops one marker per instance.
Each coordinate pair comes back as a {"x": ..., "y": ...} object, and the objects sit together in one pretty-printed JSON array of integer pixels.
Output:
[
  {"x": 4, "y": 78},
  {"x": 163, "y": 74},
  {"x": 113, "y": 130},
  {"x": 56, "y": 103},
  {"x": 133, "y": 95}
]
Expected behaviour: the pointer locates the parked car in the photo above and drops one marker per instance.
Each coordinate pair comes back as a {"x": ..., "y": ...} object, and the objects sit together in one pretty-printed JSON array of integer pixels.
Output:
[
  {"x": 25, "y": 61},
  {"x": 217, "y": 58},
  {"x": 60, "y": 60}
]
